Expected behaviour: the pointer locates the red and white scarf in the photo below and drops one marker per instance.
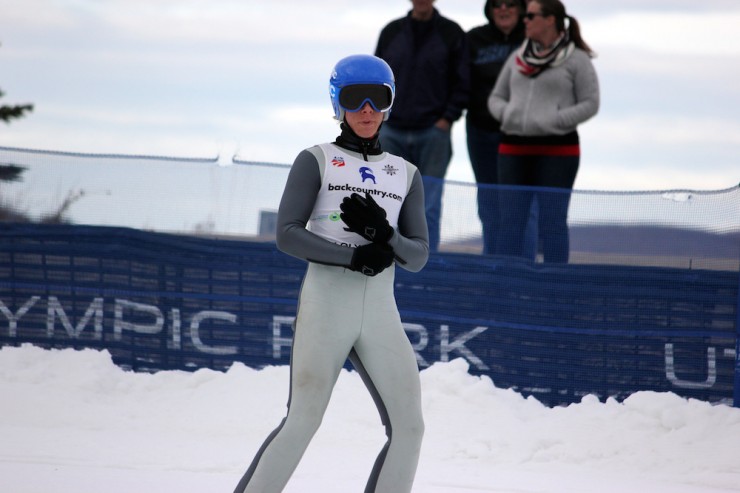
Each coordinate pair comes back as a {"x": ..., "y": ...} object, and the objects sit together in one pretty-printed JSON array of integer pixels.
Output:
[{"x": 532, "y": 58}]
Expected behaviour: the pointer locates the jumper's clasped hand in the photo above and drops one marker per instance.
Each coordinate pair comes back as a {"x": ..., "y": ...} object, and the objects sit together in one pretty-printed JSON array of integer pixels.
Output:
[
  {"x": 364, "y": 216},
  {"x": 372, "y": 259}
]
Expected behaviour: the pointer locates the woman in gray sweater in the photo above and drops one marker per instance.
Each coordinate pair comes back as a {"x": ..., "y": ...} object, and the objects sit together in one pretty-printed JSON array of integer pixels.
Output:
[{"x": 546, "y": 89}]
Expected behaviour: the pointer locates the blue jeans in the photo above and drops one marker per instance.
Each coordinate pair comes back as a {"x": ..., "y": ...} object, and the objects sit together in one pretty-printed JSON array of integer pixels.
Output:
[
  {"x": 549, "y": 180},
  {"x": 483, "y": 153},
  {"x": 430, "y": 149}
]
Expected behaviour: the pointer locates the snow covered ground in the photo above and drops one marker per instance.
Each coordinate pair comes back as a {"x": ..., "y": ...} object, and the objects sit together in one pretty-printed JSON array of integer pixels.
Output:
[{"x": 74, "y": 422}]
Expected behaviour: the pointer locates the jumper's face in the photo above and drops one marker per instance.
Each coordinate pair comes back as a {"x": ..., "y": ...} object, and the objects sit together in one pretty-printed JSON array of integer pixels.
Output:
[{"x": 365, "y": 122}]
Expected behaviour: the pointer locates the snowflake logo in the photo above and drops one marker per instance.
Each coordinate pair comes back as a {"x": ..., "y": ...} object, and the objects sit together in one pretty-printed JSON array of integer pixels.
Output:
[{"x": 390, "y": 169}]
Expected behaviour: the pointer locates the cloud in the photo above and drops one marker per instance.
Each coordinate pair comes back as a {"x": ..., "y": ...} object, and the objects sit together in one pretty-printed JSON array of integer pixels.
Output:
[
  {"x": 654, "y": 151},
  {"x": 183, "y": 76},
  {"x": 697, "y": 33},
  {"x": 37, "y": 14},
  {"x": 669, "y": 131},
  {"x": 639, "y": 175},
  {"x": 223, "y": 22}
]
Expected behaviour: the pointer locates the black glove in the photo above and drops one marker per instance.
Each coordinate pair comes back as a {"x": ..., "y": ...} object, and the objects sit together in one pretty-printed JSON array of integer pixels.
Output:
[
  {"x": 372, "y": 259},
  {"x": 364, "y": 216}
]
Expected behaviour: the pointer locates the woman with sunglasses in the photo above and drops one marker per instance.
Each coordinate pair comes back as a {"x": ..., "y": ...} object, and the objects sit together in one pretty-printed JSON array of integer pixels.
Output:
[
  {"x": 546, "y": 89},
  {"x": 351, "y": 211},
  {"x": 490, "y": 46}
]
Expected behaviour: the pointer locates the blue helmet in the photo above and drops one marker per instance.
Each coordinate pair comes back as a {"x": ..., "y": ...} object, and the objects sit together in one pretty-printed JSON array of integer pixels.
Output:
[{"x": 366, "y": 71}]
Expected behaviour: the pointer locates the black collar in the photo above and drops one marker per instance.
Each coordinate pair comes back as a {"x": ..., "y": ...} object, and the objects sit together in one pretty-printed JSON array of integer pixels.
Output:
[{"x": 349, "y": 140}]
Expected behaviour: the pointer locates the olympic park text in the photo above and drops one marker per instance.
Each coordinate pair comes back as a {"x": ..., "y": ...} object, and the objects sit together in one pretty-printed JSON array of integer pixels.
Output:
[{"x": 122, "y": 317}]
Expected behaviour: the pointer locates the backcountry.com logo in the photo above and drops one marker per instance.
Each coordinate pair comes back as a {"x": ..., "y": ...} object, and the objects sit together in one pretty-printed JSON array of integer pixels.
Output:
[{"x": 349, "y": 188}]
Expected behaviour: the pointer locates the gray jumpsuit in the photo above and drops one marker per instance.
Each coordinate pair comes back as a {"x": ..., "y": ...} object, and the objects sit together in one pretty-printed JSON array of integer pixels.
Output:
[{"x": 345, "y": 314}]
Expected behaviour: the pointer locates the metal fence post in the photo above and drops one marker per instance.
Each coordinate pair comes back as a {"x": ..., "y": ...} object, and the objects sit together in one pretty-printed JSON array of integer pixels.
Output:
[{"x": 736, "y": 393}]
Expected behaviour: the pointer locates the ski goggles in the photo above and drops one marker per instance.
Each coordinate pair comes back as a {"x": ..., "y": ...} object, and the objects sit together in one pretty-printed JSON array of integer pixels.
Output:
[{"x": 352, "y": 98}]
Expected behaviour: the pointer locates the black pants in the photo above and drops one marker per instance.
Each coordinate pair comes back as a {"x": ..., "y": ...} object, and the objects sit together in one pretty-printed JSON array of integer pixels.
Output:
[{"x": 550, "y": 180}]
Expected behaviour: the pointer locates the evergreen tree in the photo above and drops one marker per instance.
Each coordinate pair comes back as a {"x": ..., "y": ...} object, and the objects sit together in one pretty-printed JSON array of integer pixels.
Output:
[
  {"x": 7, "y": 113},
  {"x": 10, "y": 172}
]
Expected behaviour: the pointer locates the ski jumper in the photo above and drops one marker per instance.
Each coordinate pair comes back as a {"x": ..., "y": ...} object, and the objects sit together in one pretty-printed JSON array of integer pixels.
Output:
[{"x": 345, "y": 314}]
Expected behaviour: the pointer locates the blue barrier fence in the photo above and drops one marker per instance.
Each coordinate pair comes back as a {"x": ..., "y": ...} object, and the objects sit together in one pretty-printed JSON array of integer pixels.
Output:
[
  {"x": 162, "y": 301},
  {"x": 648, "y": 299}
]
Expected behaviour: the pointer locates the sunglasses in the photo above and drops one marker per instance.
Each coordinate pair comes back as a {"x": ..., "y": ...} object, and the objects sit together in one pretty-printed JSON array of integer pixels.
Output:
[
  {"x": 506, "y": 3},
  {"x": 531, "y": 15},
  {"x": 353, "y": 98}
]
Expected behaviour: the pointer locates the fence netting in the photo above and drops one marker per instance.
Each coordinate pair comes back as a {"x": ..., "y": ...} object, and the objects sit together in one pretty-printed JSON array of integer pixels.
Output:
[
  {"x": 236, "y": 198},
  {"x": 170, "y": 263}
]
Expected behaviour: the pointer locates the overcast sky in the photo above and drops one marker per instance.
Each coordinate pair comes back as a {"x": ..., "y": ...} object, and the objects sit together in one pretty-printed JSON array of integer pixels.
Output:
[{"x": 198, "y": 78}]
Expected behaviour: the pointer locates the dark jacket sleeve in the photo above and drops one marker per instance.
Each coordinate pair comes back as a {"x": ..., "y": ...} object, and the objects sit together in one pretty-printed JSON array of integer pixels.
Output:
[
  {"x": 459, "y": 76},
  {"x": 296, "y": 205}
]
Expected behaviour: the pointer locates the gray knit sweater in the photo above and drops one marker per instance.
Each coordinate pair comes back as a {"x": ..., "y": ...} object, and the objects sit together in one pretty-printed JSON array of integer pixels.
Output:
[{"x": 554, "y": 102}]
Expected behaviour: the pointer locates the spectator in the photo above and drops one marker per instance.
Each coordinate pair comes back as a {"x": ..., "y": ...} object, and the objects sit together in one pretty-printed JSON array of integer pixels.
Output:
[
  {"x": 429, "y": 57},
  {"x": 490, "y": 46},
  {"x": 546, "y": 89}
]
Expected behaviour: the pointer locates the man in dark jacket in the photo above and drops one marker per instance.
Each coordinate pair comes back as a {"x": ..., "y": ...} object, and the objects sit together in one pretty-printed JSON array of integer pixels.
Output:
[{"x": 429, "y": 57}]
